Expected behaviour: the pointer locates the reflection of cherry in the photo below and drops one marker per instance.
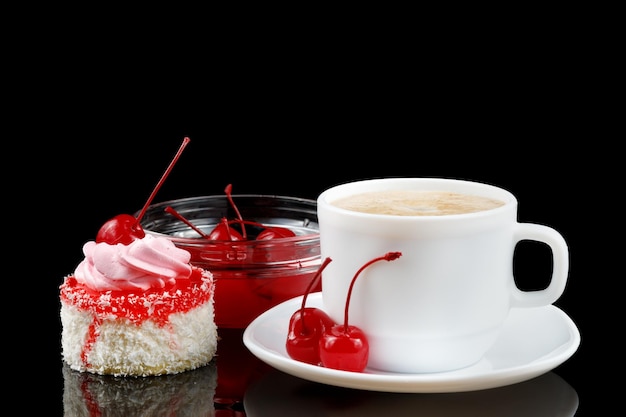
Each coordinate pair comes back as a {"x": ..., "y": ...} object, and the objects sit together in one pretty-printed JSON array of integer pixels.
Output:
[
  {"x": 343, "y": 346},
  {"x": 306, "y": 326},
  {"x": 125, "y": 228}
]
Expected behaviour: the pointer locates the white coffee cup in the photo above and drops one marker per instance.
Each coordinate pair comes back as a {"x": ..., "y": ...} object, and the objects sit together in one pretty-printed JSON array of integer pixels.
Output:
[{"x": 441, "y": 305}]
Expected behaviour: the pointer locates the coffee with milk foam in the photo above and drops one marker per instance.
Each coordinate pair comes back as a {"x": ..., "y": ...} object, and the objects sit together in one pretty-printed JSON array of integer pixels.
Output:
[{"x": 416, "y": 203}]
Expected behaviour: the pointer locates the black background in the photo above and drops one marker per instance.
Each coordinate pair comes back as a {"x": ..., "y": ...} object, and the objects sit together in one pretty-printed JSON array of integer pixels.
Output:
[{"x": 92, "y": 144}]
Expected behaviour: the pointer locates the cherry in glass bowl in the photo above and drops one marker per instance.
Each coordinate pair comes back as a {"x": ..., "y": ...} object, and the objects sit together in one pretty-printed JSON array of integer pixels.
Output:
[{"x": 251, "y": 275}]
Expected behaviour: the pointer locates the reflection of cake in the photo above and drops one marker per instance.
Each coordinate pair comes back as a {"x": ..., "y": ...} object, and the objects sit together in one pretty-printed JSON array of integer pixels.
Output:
[
  {"x": 188, "y": 394},
  {"x": 137, "y": 310}
]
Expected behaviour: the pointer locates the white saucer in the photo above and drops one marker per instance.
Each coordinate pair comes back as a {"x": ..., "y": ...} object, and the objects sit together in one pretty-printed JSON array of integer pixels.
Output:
[{"x": 533, "y": 342}]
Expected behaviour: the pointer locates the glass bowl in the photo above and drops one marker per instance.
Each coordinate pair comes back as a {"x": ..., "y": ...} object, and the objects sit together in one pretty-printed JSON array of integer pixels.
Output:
[{"x": 251, "y": 276}]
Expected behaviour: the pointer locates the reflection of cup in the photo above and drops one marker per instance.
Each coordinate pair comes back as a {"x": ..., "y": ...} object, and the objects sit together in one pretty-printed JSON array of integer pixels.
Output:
[
  {"x": 251, "y": 275},
  {"x": 188, "y": 393},
  {"x": 278, "y": 394},
  {"x": 441, "y": 305}
]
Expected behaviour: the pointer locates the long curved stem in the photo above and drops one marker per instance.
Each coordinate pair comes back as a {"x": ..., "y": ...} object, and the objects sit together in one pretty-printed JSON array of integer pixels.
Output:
[
  {"x": 180, "y": 217},
  {"x": 389, "y": 256},
  {"x": 228, "y": 191},
  {"x": 186, "y": 140},
  {"x": 308, "y": 290}
]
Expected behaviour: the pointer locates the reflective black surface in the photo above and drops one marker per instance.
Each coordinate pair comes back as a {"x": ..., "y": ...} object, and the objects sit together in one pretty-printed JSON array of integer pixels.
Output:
[
  {"x": 237, "y": 384},
  {"x": 547, "y": 395}
]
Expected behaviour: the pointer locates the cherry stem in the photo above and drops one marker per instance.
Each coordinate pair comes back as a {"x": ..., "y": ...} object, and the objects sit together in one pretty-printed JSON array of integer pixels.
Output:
[
  {"x": 176, "y": 214},
  {"x": 224, "y": 220},
  {"x": 228, "y": 191},
  {"x": 308, "y": 290},
  {"x": 389, "y": 256},
  {"x": 186, "y": 140}
]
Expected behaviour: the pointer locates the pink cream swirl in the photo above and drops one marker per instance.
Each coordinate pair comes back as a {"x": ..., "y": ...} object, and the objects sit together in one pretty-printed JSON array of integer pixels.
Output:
[{"x": 150, "y": 262}]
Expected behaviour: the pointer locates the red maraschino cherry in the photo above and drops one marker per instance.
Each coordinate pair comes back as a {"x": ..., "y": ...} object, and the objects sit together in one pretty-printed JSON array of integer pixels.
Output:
[
  {"x": 223, "y": 231},
  {"x": 125, "y": 228},
  {"x": 275, "y": 232},
  {"x": 306, "y": 326},
  {"x": 343, "y": 346}
]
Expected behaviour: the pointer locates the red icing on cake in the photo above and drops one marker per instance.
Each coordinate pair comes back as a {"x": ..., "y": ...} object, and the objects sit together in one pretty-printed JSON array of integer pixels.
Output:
[{"x": 137, "y": 306}]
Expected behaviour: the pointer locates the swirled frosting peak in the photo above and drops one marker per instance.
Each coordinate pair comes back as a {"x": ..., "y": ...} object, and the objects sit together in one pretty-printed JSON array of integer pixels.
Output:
[{"x": 150, "y": 262}]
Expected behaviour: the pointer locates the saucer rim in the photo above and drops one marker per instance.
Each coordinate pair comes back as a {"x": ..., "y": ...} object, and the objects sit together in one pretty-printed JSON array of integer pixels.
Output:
[{"x": 373, "y": 380}]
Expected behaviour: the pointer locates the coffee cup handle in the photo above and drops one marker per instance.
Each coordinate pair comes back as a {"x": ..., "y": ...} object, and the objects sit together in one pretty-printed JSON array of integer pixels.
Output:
[{"x": 560, "y": 268}]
